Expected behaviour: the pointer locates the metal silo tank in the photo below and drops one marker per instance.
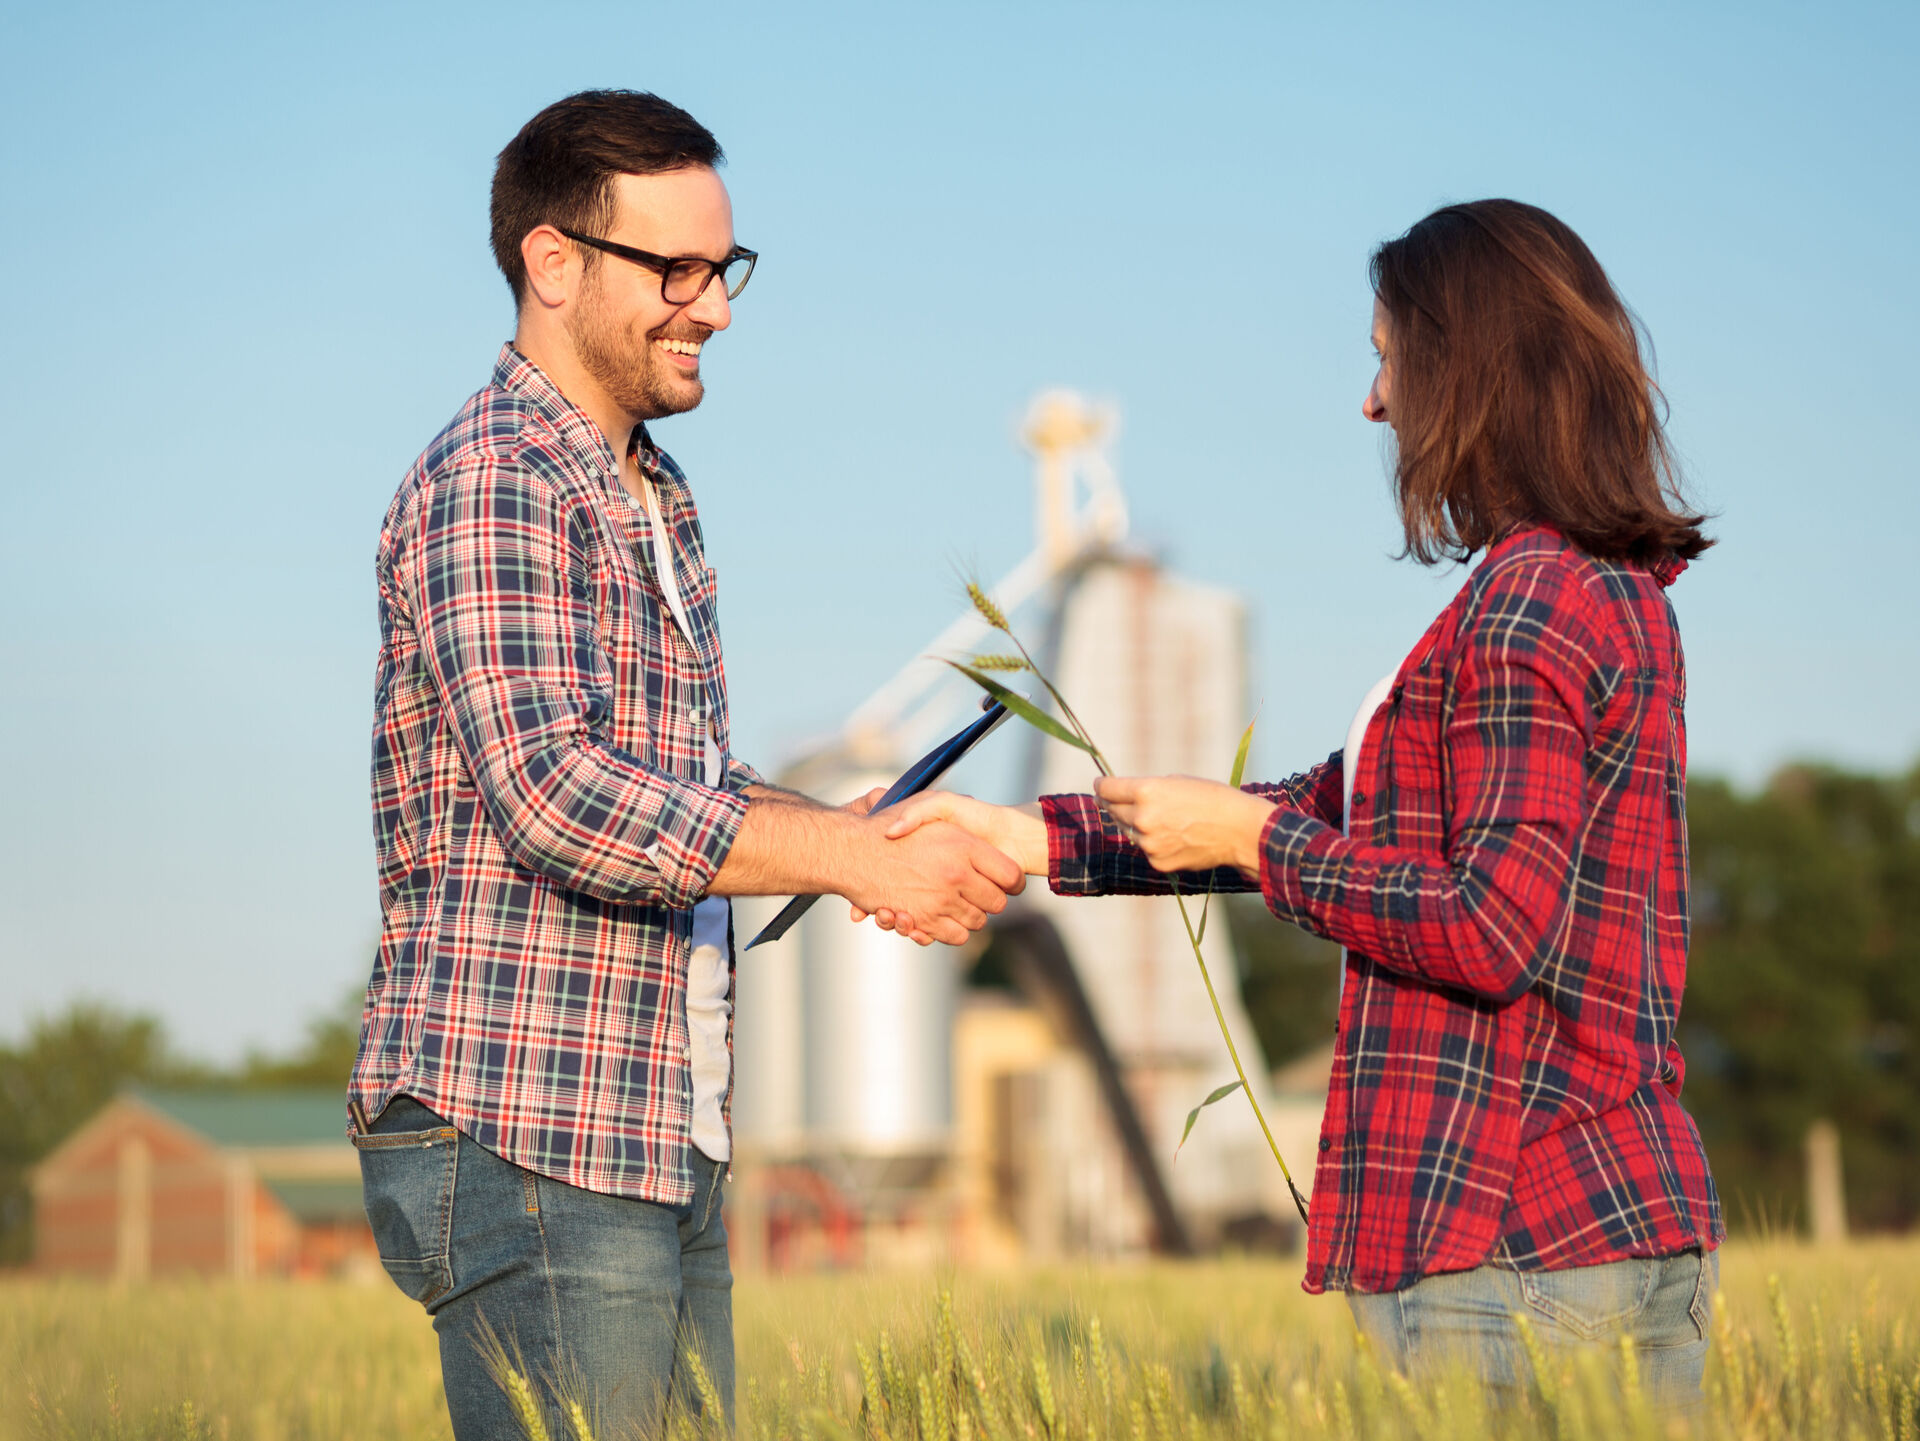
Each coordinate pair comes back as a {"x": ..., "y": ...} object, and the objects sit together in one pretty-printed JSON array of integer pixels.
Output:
[
  {"x": 769, "y": 1043},
  {"x": 879, "y": 1014}
]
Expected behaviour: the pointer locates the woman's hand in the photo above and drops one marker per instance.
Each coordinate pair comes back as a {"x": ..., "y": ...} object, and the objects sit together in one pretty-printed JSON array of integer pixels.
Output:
[
  {"x": 1015, "y": 831},
  {"x": 1187, "y": 824}
]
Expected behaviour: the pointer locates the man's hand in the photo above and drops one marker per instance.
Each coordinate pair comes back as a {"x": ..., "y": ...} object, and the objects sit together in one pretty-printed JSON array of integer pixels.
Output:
[
  {"x": 1187, "y": 824},
  {"x": 936, "y": 883},
  {"x": 863, "y": 805}
]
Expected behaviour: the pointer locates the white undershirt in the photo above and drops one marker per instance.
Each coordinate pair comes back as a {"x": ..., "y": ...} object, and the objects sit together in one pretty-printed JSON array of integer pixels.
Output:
[
  {"x": 1350, "y": 767},
  {"x": 708, "y": 1008}
]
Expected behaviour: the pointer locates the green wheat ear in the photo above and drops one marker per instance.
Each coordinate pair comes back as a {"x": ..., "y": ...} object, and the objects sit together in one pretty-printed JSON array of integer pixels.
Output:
[
  {"x": 999, "y": 662},
  {"x": 989, "y": 612}
]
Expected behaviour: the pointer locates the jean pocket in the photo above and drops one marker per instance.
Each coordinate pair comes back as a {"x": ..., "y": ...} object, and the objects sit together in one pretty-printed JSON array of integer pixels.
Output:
[
  {"x": 1706, "y": 1283},
  {"x": 1591, "y": 1302},
  {"x": 407, "y": 1178}
]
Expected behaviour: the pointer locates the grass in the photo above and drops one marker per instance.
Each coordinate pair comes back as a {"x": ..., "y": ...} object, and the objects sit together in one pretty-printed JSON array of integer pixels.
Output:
[{"x": 1156, "y": 1352}]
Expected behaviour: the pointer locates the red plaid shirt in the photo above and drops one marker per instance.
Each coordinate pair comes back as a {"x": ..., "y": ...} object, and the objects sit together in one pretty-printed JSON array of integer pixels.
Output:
[
  {"x": 1514, "y": 899},
  {"x": 542, "y": 830}
]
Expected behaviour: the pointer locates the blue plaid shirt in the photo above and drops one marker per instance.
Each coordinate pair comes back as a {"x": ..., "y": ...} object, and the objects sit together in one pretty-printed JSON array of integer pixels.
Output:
[{"x": 542, "y": 827}]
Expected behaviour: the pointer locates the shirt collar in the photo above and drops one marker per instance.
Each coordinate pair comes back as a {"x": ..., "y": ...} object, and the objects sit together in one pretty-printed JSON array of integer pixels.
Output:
[
  {"x": 641, "y": 447},
  {"x": 514, "y": 373},
  {"x": 1667, "y": 571}
]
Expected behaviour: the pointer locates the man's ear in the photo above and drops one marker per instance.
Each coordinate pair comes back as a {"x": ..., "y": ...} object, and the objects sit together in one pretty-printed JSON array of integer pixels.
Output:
[{"x": 552, "y": 266}]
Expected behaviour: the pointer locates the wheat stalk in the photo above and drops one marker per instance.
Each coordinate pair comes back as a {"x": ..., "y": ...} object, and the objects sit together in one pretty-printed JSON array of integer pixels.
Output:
[
  {"x": 997, "y": 618},
  {"x": 1075, "y": 733}
]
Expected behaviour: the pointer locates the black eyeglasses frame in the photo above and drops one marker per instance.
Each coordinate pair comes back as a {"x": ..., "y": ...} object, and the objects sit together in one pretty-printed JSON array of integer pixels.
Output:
[{"x": 663, "y": 264}]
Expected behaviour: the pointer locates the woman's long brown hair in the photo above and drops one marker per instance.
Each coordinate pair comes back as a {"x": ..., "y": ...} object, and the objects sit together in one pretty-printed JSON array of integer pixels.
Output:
[{"x": 1518, "y": 392}]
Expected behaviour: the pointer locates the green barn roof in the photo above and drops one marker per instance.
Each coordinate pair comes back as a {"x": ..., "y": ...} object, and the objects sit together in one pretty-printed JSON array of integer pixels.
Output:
[
  {"x": 256, "y": 1118},
  {"x": 315, "y": 1202}
]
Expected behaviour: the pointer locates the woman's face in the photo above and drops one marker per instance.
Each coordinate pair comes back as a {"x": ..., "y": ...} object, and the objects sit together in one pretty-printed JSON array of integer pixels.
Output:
[{"x": 1374, "y": 407}]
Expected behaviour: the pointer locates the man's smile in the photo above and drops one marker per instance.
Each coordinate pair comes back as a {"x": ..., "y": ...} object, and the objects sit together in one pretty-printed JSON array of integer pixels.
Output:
[{"x": 685, "y": 353}]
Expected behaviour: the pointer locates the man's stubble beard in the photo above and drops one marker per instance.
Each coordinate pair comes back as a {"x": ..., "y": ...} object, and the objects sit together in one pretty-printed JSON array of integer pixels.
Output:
[{"x": 625, "y": 363}]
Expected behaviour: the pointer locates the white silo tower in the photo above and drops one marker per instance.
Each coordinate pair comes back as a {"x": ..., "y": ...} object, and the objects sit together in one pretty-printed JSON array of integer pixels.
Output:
[
  {"x": 1155, "y": 666},
  {"x": 844, "y": 1036}
]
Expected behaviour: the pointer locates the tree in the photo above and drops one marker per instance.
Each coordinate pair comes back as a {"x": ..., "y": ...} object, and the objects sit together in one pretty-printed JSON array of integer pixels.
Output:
[
  {"x": 1289, "y": 980},
  {"x": 324, "y": 1059},
  {"x": 1803, "y": 991}
]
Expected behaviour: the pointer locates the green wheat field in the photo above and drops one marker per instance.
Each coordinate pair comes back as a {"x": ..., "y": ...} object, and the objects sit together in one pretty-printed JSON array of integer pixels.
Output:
[{"x": 1821, "y": 1343}]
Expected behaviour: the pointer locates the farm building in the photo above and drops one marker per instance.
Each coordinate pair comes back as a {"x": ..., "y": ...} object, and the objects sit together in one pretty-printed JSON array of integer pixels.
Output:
[{"x": 232, "y": 1184}]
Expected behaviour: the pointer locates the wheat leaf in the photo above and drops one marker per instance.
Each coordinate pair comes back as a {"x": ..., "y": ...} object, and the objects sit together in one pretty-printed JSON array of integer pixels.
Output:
[
  {"x": 1220, "y": 1095},
  {"x": 1240, "y": 756},
  {"x": 1022, "y": 707},
  {"x": 1239, "y": 770}
]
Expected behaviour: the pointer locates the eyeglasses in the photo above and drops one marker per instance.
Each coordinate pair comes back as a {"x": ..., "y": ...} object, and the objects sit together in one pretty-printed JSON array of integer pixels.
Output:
[{"x": 683, "y": 278}]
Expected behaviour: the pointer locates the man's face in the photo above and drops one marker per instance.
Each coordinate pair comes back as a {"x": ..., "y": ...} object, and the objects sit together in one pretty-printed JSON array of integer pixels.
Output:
[{"x": 643, "y": 351}]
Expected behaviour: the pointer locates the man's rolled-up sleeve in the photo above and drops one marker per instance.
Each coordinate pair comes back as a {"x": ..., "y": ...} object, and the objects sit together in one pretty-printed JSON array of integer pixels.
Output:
[{"x": 508, "y": 628}]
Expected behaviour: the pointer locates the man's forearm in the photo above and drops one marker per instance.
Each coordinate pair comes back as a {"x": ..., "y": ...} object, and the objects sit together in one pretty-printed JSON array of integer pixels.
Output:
[
  {"x": 792, "y": 845},
  {"x": 938, "y": 882}
]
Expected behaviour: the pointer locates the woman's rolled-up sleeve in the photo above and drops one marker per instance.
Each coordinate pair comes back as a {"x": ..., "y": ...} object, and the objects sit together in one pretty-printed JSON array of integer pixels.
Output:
[{"x": 1088, "y": 854}]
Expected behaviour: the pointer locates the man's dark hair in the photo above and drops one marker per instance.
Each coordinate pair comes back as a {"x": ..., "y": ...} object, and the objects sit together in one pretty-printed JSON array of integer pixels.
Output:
[{"x": 559, "y": 170}]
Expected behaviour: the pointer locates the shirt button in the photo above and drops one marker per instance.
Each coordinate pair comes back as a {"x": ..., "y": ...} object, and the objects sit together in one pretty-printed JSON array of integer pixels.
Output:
[
  {"x": 1325, "y": 1145},
  {"x": 699, "y": 716},
  {"x": 1359, "y": 798}
]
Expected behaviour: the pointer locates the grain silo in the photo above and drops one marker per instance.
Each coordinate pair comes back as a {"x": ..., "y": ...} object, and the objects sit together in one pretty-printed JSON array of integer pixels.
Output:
[{"x": 876, "y": 1097}]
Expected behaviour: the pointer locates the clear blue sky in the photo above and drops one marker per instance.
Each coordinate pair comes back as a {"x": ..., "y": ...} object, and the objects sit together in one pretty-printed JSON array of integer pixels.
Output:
[{"x": 249, "y": 281}]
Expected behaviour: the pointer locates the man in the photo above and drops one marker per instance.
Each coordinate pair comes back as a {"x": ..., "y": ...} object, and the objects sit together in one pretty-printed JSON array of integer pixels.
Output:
[{"x": 540, "y": 1100}]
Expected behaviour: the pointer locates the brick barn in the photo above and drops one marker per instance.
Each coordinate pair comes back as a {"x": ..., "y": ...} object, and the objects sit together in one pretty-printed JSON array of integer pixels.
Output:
[{"x": 214, "y": 1183}]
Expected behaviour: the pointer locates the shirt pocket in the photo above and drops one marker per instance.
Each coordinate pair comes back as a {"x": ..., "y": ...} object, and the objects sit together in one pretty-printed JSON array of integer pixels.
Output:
[{"x": 1410, "y": 809}]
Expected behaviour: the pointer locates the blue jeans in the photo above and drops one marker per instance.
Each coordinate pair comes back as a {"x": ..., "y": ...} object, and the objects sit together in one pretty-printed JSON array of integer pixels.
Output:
[
  {"x": 1466, "y": 1318},
  {"x": 611, "y": 1292}
]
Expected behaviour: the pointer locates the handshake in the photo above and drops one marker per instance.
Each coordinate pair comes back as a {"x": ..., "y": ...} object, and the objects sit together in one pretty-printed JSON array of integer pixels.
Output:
[
  {"x": 935, "y": 866},
  {"x": 943, "y": 863},
  {"x": 950, "y": 861}
]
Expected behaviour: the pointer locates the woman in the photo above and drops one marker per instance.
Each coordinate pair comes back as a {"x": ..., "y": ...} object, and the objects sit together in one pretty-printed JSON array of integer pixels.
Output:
[{"x": 1501, "y": 847}]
